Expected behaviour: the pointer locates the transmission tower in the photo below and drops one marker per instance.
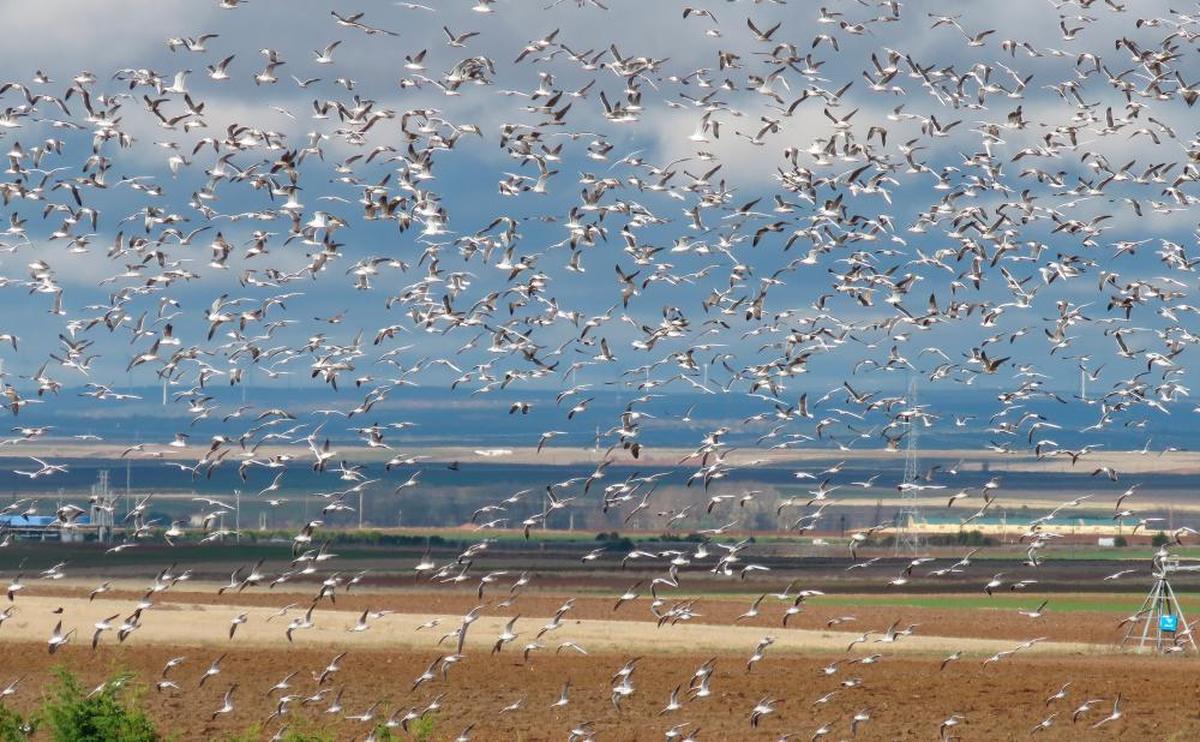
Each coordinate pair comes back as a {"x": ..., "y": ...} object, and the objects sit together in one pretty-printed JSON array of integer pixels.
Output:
[
  {"x": 907, "y": 539},
  {"x": 103, "y": 508}
]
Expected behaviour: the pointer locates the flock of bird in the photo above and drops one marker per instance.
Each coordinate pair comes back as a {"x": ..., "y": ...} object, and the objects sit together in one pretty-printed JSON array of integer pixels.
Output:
[{"x": 798, "y": 208}]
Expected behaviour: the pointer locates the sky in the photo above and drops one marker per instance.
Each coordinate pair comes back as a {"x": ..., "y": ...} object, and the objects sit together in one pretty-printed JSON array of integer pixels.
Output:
[{"x": 63, "y": 40}]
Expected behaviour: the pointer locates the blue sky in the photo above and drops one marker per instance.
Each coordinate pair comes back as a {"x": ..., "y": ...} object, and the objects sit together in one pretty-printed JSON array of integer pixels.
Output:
[{"x": 64, "y": 39}]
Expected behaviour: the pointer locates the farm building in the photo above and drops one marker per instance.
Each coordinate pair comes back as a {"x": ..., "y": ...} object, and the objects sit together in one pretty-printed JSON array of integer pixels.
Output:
[{"x": 40, "y": 528}]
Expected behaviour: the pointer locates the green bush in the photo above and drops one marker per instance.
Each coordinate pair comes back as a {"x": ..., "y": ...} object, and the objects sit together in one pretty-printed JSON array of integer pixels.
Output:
[
  {"x": 307, "y": 734},
  {"x": 422, "y": 728},
  {"x": 1160, "y": 539},
  {"x": 14, "y": 727},
  {"x": 383, "y": 734},
  {"x": 1120, "y": 542},
  {"x": 675, "y": 538},
  {"x": 973, "y": 538},
  {"x": 71, "y": 714},
  {"x": 614, "y": 541},
  {"x": 959, "y": 538},
  {"x": 299, "y": 729}
]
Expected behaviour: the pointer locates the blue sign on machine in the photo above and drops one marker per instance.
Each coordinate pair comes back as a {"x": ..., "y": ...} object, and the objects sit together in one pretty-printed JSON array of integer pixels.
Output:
[{"x": 1168, "y": 623}]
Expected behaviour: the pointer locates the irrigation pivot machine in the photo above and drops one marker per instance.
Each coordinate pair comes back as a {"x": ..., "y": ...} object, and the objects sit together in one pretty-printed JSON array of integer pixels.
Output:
[{"x": 1160, "y": 623}]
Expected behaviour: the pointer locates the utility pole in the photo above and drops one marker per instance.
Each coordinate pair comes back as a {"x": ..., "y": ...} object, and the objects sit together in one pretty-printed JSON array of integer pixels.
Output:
[
  {"x": 237, "y": 515},
  {"x": 907, "y": 538}
]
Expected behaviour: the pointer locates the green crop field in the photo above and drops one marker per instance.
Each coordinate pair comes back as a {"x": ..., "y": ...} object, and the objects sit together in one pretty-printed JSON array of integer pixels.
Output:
[{"x": 1063, "y": 603}]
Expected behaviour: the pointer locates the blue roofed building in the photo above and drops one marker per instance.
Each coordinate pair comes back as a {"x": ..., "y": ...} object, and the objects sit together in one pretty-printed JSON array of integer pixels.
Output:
[{"x": 41, "y": 528}]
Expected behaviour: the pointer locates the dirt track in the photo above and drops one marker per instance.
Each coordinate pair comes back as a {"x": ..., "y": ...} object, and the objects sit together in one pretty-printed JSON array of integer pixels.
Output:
[
  {"x": 209, "y": 624},
  {"x": 1098, "y": 628}
]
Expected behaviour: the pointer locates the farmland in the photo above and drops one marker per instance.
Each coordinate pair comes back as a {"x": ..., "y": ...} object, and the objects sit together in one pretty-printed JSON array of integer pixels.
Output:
[{"x": 1077, "y": 636}]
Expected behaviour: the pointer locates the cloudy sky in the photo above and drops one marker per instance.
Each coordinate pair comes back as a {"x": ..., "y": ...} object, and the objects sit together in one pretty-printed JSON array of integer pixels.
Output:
[{"x": 63, "y": 41}]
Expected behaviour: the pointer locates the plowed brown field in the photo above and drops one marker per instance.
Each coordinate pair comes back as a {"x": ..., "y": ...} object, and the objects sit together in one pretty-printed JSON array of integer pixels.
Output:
[
  {"x": 904, "y": 692},
  {"x": 907, "y": 696}
]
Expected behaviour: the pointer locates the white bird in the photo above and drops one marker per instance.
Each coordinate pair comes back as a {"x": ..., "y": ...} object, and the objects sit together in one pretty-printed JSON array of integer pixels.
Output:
[
  {"x": 102, "y": 626},
  {"x": 563, "y": 699},
  {"x": 506, "y": 636},
  {"x": 1114, "y": 716},
  {"x": 58, "y": 638},
  {"x": 226, "y": 703},
  {"x": 1036, "y": 612},
  {"x": 325, "y": 56}
]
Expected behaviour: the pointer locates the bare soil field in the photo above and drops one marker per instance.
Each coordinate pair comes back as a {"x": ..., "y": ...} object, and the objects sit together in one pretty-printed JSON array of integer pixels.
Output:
[
  {"x": 907, "y": 696},
  {"x": 904, "y": 690}
]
